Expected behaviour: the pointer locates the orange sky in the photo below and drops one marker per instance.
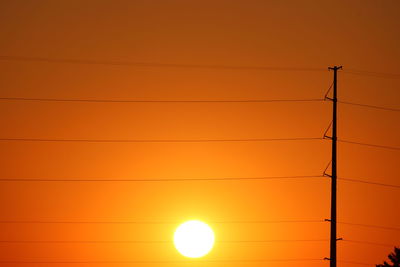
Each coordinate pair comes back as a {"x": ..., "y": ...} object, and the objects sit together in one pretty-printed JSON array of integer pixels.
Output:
[{"x": 361, "y": 35}]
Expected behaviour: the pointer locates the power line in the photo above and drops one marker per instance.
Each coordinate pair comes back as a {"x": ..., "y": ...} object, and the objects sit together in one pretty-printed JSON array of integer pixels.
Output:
[
  {"x": 188, "y": 101},
  {"x": 367, "y": 243},
  {"x": 185, "y": 101},
  {"x": 158, "y": 140},
  {"x": 368, "y": 182},
  {"x": 372, "y": 73},
  {"x": 369, "y": 106},
  {"x": 327, "y": 92},
  {"x": 357, "y": 263},
  {"x": 169, "y": 241},
  {"x": 187, "y": 140},
  {"x": 274, "y": 241},
  {"x": 153, "y": 64},
  {"x": 157, "y": 101},
  {"x": 372, "y": 226},
  {"x": 366, "y": 144},
  {"x": 149, "y": 242},
  {"x": 192, "y": 179},
  {"x": 160, "y": 262},
  {"x": 161, "y": 180},
  {"x": 154, "y": 222},
  {"x": 177, "y": 222}
]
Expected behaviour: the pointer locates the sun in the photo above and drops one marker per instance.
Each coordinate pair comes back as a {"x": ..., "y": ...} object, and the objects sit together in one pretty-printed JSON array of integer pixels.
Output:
[{"x": 194, "y": 239}]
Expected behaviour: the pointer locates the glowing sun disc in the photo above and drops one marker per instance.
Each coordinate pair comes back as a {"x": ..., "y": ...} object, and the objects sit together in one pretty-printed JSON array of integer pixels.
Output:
[{"x": 194, "y": 239}]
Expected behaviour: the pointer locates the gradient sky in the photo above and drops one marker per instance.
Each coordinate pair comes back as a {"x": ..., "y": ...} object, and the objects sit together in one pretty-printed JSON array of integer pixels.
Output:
[{"x": 358, "y": 34}]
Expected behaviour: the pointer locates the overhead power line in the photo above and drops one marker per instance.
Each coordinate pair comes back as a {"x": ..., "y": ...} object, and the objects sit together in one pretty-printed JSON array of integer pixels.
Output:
[
  {"x": 169, "y": 241},
  {"x": 158, "y": 140},
  {"x": 368, "y": 243},
  {"x": 177, "y": 222},
  {"x": 357, "y": 263},
  {"x": 154, "y": 64},
  {"x": 215, "y": 101},
  {"x": 149, "y": 241},
  {"x": 367, "y": 144},
  {"x": 187, "y": 140},
  {"x": 372, "y": 226},
  {"x": 189, "y": 66},
  {"x": 193, "y": 179},
  {"x": 88, "y": 100},
  {"x": 368, "y": 182},
  {"x": 372, "y": 73},
  {"x": 161, "y": 180},
  {"x": 161, "y": 262},
  {"x": 154, "y": 222},
  {"x": 157, "y": 101},
  {"x": 369, "y": 106},
  {"x": 369, "y": 226}
]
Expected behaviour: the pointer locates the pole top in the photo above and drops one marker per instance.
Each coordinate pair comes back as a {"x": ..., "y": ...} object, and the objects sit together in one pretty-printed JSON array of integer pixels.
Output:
[{"x": 335, "y": 68}]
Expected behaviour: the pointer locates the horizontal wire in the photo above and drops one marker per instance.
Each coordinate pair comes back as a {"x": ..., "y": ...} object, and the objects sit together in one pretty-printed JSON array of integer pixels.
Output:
[
  {"x": 149, "y": 242},
  {"x": 177, "y": 222},
  {"x": 161, "y": 180},
  {"x": 169, "y": 241},
  {"x": 153, "y": 64},
  {"x": 193, "y": 179},
  {"x": 366, "y": 144},
  {"x": 157, "y": 140},
  {"x": 186, "y": 101},
  {"x": 368, "y": 182},
  {"x": 157, "y": 101},
  {"x": 367, "y": 243},
  {"x": 189, "y": 101},
  {"x": 355, "y": 262},
  {"x": 162, "y": 262},
  {"x": 155, "y": 222},
  {"x": 369, "y": 106},
  {"x": 187, "y": 140},
  {"x": 371, "y": 73},
  {"x": 371, "y": 226}
]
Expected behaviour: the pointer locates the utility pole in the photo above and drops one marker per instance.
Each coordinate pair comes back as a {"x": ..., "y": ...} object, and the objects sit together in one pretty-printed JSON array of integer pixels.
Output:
[{"x": 333, "y": 239}]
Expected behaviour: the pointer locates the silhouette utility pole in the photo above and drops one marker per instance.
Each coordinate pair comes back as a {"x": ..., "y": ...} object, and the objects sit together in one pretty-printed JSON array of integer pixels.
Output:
[{"x": 333, "y": 220}]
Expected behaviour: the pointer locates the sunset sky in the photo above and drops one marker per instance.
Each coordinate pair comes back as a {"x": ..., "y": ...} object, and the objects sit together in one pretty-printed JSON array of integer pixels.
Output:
[{"x": 197, "y": 50}]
